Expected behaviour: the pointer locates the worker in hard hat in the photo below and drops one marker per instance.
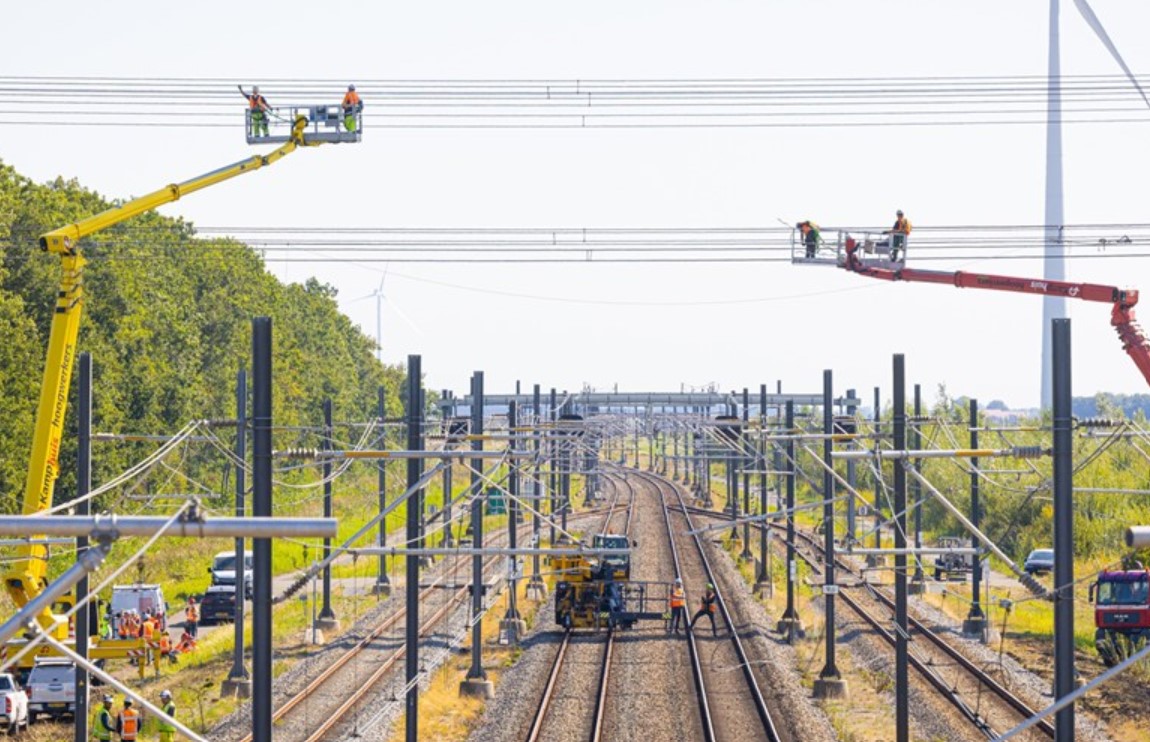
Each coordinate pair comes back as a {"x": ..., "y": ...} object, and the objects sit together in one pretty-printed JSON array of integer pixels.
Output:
[
  {"x": 104, "y": 726},
  {"x": 167, "y": 728},
  {"x": 259, "y": 111},
  {"x": 128, "y": 723},
  {"x": 677, "y": 602},
  {"x": 898, "y": 235},
  {"x": 352, "y": 105},
  {"x": 707, "y": 607}
]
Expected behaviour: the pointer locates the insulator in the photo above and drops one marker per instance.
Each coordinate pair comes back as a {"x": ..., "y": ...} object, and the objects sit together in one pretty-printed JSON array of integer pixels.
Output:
[
  {"x": 1097, "y": 422},
  {"x": 300, "y": 453},
  {"x": 1028, "y": 452}
]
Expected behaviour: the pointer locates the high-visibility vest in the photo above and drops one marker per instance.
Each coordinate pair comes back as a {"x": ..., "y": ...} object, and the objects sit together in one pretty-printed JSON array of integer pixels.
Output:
[
  {"x": 165, "y": 725},
  {"x": 192, "y": 613},
  {"x": 351, "y": 100},
  {"x": 902, "y": 225},
  {"x": 149, "y": 629},
  {"x": 257, "y": 102},
  {"x": 709, "y": 602},
  {"x": 129, "y": 724},
  {"x": 165, "y": 644},
  {"x": 102, "y": 727},
  {"x": 678, "y": 598}
]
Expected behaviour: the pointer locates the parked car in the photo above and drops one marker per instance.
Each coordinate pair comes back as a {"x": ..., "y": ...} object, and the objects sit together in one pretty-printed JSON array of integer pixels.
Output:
[
  {"x": 224, "y": 571},
  {"x": 14, "y": 707},
  {"x": 218, "y": 605},
  {"x": 1039, "y": 561},
  {"x": 51, "y": 688}
]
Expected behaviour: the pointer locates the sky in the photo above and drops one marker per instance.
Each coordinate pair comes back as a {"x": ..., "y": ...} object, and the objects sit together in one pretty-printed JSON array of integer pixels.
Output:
[{"x": 638, "y": 327}]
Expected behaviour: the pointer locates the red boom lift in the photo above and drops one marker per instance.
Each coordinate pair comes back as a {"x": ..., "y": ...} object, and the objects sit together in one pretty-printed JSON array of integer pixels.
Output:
[
  {"x": 1121, "y": 598},
  {"x": 869, "y": 257}
]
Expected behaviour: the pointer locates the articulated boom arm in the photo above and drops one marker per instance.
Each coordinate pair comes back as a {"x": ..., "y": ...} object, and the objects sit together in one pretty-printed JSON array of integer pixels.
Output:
[
  {"x": 1122, "y": 301},
  {"x": 25, "y": 578}
]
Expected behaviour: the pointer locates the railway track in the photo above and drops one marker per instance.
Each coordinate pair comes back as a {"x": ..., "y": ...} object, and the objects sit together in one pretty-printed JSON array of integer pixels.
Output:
[
  {"x": 940, "y": 653},
  {"x": 723, "y": 710},
  {"x": 562, "y": 707},
  {"x": 358, "y": 671}
]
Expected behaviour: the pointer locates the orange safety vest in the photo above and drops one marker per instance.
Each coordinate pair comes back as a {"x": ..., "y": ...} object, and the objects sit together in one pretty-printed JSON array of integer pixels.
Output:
[
  {"x": 129, "y": 724},
  {"x": 165, "y": 644},
  {"x": 149, "y": 629},
  {"x": 351, "y": 99},
  {"x": 708, "y": 601},
  {"x": 678, "y": 598},
  {"x": 257, "y": 102},
  {"x": 192, "y": 613},
  {"x": 902, "y": 225},
  {"x": 187, "y": 644}
]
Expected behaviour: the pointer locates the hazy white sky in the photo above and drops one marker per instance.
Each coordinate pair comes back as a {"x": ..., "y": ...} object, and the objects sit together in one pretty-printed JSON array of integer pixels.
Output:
[{"x": 802, "y": 319}]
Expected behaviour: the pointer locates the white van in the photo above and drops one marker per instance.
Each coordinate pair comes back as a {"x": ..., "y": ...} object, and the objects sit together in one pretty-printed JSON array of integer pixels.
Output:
[
  {"x": 223, "y": 570},
  {"x": 51, "y": 688},
  {"x": 141, "y": 599}
]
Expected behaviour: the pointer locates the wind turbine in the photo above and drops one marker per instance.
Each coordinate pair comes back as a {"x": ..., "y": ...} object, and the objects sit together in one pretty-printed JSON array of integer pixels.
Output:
[
  {"x": 1055, "y": 255},
  {"x": 380, "y": 298}
]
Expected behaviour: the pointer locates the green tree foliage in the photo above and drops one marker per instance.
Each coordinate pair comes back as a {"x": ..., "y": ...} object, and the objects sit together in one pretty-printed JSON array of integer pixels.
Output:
[{"x": 168, "y": 322}]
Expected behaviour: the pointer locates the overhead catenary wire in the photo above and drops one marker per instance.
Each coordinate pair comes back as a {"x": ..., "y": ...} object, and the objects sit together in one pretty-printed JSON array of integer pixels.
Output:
[{"x": 624, "y": 103}]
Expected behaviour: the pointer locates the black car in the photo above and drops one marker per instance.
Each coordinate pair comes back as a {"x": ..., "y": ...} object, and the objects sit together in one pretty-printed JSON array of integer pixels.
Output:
[{"x": 218, "y": 605}]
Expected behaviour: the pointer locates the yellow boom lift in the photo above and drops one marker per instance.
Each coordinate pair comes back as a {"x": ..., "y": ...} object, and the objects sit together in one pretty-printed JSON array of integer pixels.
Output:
[{"x": 26, "y": 577}]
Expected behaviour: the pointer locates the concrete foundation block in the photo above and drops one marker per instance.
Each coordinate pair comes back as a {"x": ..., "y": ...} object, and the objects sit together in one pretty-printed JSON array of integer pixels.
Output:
[
  {"x": 827, "y": 688},
  {"x": 514, "y": 629},
  {"x": 477, "y": 688},
  {"x": 236, "y": 688},
  {"x": 784, "y": 627},
  {"x": 976, "y": 628},
  {"x": 327, "y": 624},
  {"x": 381, "y": 588}
]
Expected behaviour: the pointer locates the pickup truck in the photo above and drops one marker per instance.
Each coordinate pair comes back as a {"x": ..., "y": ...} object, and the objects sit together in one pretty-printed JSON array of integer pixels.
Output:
[
  {"x": 51, "y": 688},
  {"x": 13, "y": 704}
]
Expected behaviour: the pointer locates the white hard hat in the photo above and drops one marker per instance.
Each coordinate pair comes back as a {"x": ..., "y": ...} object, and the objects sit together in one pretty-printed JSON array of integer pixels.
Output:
[
  {"x": 678, "y": 580},
  {"x": 165, "y": 694}
]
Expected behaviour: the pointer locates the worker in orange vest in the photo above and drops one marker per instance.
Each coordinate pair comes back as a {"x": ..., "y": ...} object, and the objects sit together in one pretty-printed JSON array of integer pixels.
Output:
[
  {"x": 166, "y": 647},
  {"x": 678, "y": 604},
  {"x": 148, "y": 627},
  {"x": 258, "y": 105},
  {"x": 187, "y": 643},
  {"x": 128, "y": 722},
  {"x": 707, "y": 608},
  {"x": 191, "y": 616},
  {"x": 352, "y": 105}
]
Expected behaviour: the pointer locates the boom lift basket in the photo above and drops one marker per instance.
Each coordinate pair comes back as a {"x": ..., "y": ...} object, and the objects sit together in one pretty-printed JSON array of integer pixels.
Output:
[
  {"x": 872, "y": 249},
  {"x": 325, "y": 123}
]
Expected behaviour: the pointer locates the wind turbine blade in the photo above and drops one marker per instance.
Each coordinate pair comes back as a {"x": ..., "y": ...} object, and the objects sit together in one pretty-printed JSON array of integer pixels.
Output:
[
  {"x": 1092, "y": 21},
  {"x": 403, "y": 316}
]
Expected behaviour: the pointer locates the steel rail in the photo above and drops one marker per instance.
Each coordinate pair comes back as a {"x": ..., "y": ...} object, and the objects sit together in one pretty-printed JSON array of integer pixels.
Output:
[
  {"x": 548, "y": 690},
  {"x": 599, "y": 709},
  {"x": 740, "y": 652},
  {"x": 391, "y": 620},
  {"x": 692, "y": 648},
  {"x": 983, "y": 678}
]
